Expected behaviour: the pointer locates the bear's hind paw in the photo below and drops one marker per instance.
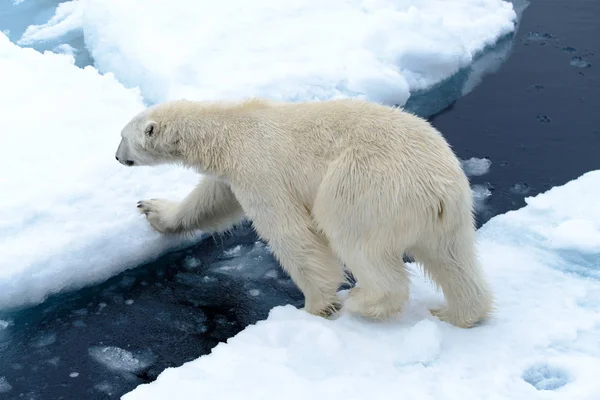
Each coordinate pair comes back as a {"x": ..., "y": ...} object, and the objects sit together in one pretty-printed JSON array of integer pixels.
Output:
[
  {"x": 460, "y": 321},
  {"x": 327, "y": 311}
]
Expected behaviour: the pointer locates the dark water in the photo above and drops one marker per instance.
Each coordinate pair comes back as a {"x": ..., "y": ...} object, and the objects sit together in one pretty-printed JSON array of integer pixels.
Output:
[
  {"x": 103, "y": 341},
  {"x": 536, "y": 117}
]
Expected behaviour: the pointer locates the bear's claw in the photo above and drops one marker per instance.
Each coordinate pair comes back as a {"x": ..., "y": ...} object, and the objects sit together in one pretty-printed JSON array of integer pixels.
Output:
[{"x": 143, "y": 207}]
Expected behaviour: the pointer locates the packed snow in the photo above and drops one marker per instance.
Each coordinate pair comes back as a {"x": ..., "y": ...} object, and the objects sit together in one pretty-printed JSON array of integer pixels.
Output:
[
  {"x": 306, "y": 49},
  {"x": 69, "y": 214},
  {"x": 542, "y": 342}
]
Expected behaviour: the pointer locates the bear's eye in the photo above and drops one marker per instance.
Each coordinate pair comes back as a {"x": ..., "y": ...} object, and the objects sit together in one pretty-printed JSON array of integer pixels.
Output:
[{"x": 150, "y": 129}]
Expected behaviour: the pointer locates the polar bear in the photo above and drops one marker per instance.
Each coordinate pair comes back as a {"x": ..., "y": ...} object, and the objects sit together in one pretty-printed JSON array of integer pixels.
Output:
[{"x": 328, "y": 184}]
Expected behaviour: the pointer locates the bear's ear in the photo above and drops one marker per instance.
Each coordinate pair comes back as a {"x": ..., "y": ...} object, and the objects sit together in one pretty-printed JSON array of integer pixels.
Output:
[{"x": 150, "y": 128}]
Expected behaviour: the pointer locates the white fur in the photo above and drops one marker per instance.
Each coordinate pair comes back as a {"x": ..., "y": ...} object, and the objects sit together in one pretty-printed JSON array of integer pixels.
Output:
[{"x": 327, "y": 184}]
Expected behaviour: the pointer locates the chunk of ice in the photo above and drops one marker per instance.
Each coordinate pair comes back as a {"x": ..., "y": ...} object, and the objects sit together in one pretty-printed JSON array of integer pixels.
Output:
[
  {"x": 5, "y": 387},
  {"x": 476, "y": 166},
  {"x": 117, "y": 359}
]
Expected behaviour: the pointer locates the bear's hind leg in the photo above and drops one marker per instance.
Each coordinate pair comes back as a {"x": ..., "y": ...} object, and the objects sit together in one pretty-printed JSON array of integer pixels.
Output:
[
  {"x": 210, "y": 207},
  {"x": 383, "y": 282},
  {"x": 356, "y": 208},
  {"x": 452, "y": 264}
]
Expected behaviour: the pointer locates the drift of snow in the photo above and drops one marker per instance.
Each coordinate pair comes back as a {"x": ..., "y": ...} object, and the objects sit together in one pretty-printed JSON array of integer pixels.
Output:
[
  {"x": 69, "y": 214},
  {"x": 542, "y": 342},
  {"x": 306, "y": 49}
]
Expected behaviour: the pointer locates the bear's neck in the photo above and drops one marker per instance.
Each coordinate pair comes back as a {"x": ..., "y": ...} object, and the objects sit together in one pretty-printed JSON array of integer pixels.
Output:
[
  {"x": 210, "y": 137},
  {"x": 205, "y": 149}
]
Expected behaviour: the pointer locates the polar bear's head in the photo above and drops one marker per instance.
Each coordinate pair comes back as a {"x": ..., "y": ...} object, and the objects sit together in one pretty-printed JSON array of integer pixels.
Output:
[{"x": 144, "y": 143}]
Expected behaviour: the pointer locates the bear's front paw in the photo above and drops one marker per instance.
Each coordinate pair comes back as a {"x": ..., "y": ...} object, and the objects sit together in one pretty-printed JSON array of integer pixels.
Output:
[{"x": 161, "y": 214}]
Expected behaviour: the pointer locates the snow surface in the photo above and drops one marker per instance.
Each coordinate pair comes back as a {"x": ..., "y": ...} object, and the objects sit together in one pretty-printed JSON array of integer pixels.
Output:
[
  {"x": 298, "y": 50},
  {"x": 69, "y": 214},
  {"x": 542, "y": 343}
]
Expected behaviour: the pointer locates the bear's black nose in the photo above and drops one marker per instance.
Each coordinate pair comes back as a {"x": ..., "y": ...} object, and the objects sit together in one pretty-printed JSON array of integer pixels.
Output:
[
  {"x": 129, "y": 163},
  {"x": 117, "y": 158}
]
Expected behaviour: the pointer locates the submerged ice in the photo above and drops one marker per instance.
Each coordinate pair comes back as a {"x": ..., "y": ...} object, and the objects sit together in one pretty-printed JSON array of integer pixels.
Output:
[
  {"x": 5, "y": 386},
  {"x": 117, "y": 359}
]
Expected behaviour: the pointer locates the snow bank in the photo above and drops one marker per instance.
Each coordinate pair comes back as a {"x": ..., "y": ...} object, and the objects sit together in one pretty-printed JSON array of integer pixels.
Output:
[
  {"x": 69, "y": 214},
  {"x": 304, "y": 49},
  {"x": 542, "y": 343}
]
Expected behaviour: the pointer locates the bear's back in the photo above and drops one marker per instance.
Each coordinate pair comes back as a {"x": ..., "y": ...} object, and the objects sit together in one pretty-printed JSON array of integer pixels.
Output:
[{"x": 327, "y": 128}]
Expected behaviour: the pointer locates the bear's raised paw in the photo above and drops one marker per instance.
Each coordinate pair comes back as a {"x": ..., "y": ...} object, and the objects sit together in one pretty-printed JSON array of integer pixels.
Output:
[{"x": 161, "y": 214}]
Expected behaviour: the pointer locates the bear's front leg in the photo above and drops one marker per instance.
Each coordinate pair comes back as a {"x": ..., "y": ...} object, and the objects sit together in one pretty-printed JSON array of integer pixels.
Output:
[
  {"x": 303, "y": 253},
  {"x": 210, "y": 207}
]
